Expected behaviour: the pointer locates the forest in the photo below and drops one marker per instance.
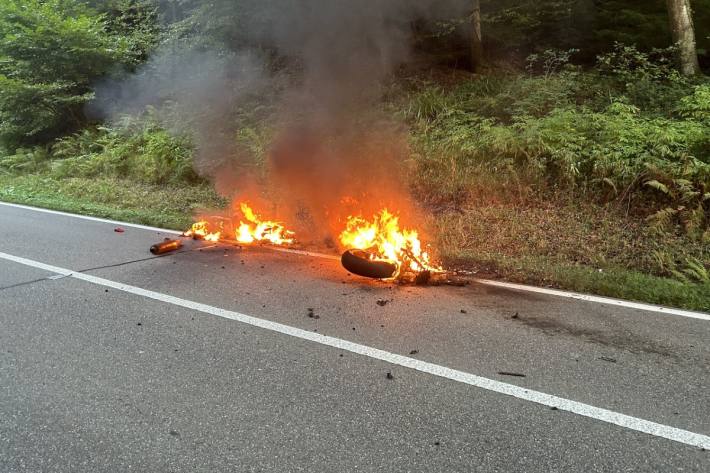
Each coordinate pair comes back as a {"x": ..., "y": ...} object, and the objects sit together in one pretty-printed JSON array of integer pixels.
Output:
[{"x": 563, "y": 143}]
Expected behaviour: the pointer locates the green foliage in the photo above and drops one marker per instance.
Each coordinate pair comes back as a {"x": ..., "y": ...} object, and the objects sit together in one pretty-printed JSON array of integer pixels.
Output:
[
  {"x": 643, "y": 23},
  {"x": 26, "y": 161},
  {"x": 634, "y": 131},
  {"x": 136, "y": 22},
  {"x": 697, "y": 105},
  {"x": 549, "y": 61},
  {"x": 50, "y": 52},
  {"x": 649, "y": 80},
  {"x": 138, "y": 149}
]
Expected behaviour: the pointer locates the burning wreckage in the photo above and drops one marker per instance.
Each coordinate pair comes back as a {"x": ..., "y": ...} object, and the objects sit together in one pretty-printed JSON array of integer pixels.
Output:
[{"x": 375, "y": 248}]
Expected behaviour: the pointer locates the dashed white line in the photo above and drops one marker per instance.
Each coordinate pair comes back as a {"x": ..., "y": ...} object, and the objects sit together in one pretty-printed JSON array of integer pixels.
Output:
[
  {"x": 487, "y": 282},
  {"x": 586, "y": 410}
]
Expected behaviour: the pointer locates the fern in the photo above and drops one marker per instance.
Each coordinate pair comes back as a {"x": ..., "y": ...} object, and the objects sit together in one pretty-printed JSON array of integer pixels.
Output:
[
  {"x": 696, "y": 271},
  {"x": 654, "y": 184}
]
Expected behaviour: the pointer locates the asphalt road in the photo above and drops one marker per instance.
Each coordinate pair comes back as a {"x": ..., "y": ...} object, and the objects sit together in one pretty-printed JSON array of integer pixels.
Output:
[{"x": 207, "y": 360}]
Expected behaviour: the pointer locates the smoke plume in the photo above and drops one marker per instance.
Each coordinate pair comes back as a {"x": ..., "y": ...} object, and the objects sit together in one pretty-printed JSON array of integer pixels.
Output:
[{"x": 330, "y": 150}]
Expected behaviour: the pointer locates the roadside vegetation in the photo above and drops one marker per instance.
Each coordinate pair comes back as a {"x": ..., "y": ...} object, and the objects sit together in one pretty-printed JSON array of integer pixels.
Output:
[{"x": 587, "y": 170}]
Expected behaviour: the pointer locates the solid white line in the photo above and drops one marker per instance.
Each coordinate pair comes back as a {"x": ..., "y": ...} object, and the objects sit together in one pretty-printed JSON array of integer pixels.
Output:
[
  {"x": 586, "y": 410},
  {"x": 487, "y": 282},
  {"x": 92, "y": 219},
  {"x": 597, "y": 299}
]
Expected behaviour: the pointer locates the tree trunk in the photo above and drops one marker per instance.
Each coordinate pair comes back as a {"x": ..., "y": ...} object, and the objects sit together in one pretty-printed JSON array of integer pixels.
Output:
[
  {"x": 476, "y": 39},
  {"x": 681, "y": 21}
]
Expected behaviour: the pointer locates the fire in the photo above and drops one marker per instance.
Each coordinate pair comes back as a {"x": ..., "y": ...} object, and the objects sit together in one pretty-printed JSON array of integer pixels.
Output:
[
  {"x": 200, "y": 231},
  {"x": 384, "y": 240},
  {"x": 256, "y": 230},
  {"x": 253, "y": 230}
]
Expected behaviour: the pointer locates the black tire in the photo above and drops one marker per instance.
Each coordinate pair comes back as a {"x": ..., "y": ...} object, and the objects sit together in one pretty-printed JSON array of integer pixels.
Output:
[{"x": 358, "y": 262}]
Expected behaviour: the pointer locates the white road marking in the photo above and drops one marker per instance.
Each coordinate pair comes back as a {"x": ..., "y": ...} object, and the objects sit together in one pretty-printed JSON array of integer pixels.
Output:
[
  {"x": 487, "y": 282},
  {"x": 597, "y": 299},
  {"x": 92, "y": 219},
  {"x": 586, "y": 410}
]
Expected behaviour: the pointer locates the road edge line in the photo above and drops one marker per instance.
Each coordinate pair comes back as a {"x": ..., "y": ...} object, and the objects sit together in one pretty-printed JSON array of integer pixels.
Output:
[{"x": 488, "y": 282}]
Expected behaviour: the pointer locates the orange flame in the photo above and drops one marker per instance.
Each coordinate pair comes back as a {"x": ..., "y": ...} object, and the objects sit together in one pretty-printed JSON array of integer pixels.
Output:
[
  {"x": 200, "y": 231},
  {"x": 256, "y": 230},
  {"x": 253, "y": 230},
  {"x": 383, "y": 238}
]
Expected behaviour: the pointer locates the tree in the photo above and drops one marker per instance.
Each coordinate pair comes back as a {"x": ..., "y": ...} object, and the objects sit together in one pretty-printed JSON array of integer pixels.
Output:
[
  {"x": 476, "y": 38},
  {"x": 681, "y": 22},
  {"x": 50, "y": 53}
]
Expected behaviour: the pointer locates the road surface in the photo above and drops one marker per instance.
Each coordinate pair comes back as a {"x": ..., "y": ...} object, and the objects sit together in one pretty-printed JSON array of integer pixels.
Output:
[{"x": 210, "y": 360}]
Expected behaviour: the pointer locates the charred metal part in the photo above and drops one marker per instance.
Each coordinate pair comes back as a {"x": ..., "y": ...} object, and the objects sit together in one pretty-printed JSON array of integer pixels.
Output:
[
  {"x": 359, "y": 262},
  {"x": 166, "y": 247},
  {"x": 423, "y": 278}
]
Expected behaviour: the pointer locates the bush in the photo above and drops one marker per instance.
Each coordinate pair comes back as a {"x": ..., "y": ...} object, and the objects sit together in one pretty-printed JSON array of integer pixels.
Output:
[
  {"x": 51, "y": 51},
  {"x": 601, "y": 134},
  {"x": 138, "y": 149}
]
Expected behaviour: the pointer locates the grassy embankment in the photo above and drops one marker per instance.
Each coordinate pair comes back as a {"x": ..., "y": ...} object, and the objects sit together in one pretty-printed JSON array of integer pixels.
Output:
[{"x": 580, "y": 180}]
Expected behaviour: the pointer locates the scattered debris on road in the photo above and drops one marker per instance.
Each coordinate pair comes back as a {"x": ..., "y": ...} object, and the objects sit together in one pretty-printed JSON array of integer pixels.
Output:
[
  {"x": 414, "y": 352},
  {"x": 390, "y": 375},
  {"x": 608, "y": 358},
  {"x": 311, "y": 314},
  {"x": 515, "y": 316},
  {"x": 119, "y": 230},
  {"x": 463, "y": 311}
]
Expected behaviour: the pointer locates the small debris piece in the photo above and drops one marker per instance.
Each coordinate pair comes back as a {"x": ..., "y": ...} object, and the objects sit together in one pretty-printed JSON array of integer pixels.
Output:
[
  {"x": 553, "y": 408},
  {"x": 174, "y": 433},
  {"x": 390, "y": 375},
  {"x": 414, "y": 352},
  {"x": 608, "y": 358},
  {"x": 139, "y": 324},
  {"x": 341, "y": 355},
  {"x": 463, "y": 311},
  {"x": 312, "y": 315},
  {"x": 515, "y": 316},
  {"x": 382, "y": 302},
  {"x": 437, "y": 443},
  {"x": 508, "y": 373},
  {"x": 119, "y": 230}
]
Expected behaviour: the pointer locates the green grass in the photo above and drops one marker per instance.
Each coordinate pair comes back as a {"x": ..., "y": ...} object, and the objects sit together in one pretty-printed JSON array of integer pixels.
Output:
[
  {"x": 581, "y": 247},
  {"x": 611, "y": 281},
  {"x": 161, "y": 206}
]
